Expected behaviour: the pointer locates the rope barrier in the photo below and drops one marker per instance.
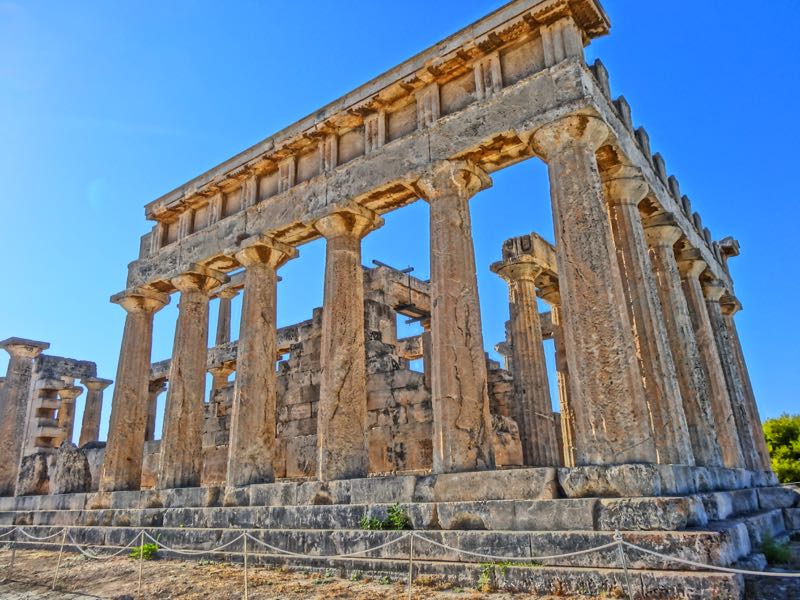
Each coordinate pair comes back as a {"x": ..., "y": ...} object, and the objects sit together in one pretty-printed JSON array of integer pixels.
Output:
[
  {"x": 346, "y": 555},
  {"x": 188, "y": 552},
  {"x": 108, "y": 557}
]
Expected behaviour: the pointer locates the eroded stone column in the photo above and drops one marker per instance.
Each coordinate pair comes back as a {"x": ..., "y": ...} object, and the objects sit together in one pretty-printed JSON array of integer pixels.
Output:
[
  {"x": 251, "y": 448},
  {"x": 181, "y": 461},
  {"x": 730, "y": 306},
  {"x": 66, "y": 410},
  {"x": 223, "y": 334},
  {"x": 426, "y": 352},
  {"x": 462, "y": 423},
  {"x": 532, "y": 409},
  {"x": 713, "y": 291},
  {"x": 14, "y": 403},
  {"x": 92, "y": 409},
  {"x": 154, "y": 389},
  {"x": 122, "y": 462},
  {"x": 219, "y": 377},
  {"x": 662, "y": 234},
  {"x": 342, "y": 416},
  {"x": 612, "y": 421},
  {"x": 624, "y": 188},
  {"x": 690, "y": 265}
]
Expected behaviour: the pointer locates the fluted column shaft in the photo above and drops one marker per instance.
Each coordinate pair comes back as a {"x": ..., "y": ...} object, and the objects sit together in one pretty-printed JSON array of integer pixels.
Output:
[
  {"x": 624, "y": 188},
  {"x": 729, "y": 308},
  {"x": 92, "y": 409},
  {"x": 662, "y": 236},
  {"x": 342, "y": 415},
  {"x": 532, "y": 408},
  {"x": 690, "y": 267},
  {"x": 181, "y": 461},
  {"x": 461, "y": 419},
  {"x": 742, "y": 415},
  {"x": 14, "y": 403},
  {"x": 251, "y": 448},
  {"x": 122, "y": 461},
  {"x": 612, "y": 423}
]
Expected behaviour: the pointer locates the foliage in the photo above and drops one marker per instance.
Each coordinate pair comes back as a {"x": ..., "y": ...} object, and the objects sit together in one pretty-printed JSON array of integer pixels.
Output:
[
  {"x": 396, "y": 519},
  {"x": 774, "y": 552},
  {"x": 783, "y": 440},
  {"x": 486, "y": 578},
  {"x": 145, "y": 551}
]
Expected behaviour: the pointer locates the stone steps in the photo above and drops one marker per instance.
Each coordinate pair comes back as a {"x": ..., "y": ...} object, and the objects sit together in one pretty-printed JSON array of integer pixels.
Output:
[{"x": 722, "y": 547}]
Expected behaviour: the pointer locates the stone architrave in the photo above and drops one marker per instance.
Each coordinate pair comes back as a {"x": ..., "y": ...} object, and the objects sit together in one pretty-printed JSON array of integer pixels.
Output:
[
  {"x": 122, "y": 462},
  {"x": 462, "y": 425},
  {"x": 713, "y": 290},
  {"x": 624, "y": 189},
  {"x": 251, "y": 449},
  {"x": 342, "y": 414},
  {"x": 730, "y": 306},
  {"x": 181, "y": 461},
  {"x": 92, "y": 409},
  {"x": 15, "y": 394},
  {"x": 690, "y": 265},
  {"x": 611, "y": 418},
  {"x": 154, "y": 389},
  {"x": 66, "y": 411},
  {"x": 662, "y": 234},
  {"x": 532, "y": 408}
]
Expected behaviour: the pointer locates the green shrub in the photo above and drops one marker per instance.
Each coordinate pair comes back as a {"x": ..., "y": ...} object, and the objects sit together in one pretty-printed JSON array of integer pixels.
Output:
[
  {"x": 144, "y": 552},
  {"x": 396, "y": 519},
  {"x": 775, "y": 553},
  {"x": 370, "y": 523},
  {"x": 783, "y": 441}
]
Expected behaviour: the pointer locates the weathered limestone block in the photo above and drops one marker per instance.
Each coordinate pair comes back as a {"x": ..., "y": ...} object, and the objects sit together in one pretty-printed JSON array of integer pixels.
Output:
[
  {"x": 72, "y": 472},
  {"x": 618, "y": 481},
  {"x": 95, "y": 451},
  {"x": 778, "y": 497},
  {"x": 533, "y": 483},
  {"x": 34, "y": 476},
  {"x": 506, "y": 442},
  {"x": 651, "y": 513}
]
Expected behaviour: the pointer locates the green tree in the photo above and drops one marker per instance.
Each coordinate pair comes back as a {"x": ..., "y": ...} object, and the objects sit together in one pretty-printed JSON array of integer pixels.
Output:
[{"x": 783, "y": 441}]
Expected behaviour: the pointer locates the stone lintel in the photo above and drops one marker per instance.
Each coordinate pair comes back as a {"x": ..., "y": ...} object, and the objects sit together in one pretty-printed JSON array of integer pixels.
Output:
[{"x": 23, "y": 347}]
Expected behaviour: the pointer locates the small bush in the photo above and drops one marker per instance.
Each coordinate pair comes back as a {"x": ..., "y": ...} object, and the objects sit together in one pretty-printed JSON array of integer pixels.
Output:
[
  {"x": 144, "y": 552},
  {"x": 775, "y": 553},
  {"x": 370, "y": 523},
  {"x": 396, "y": 519}
]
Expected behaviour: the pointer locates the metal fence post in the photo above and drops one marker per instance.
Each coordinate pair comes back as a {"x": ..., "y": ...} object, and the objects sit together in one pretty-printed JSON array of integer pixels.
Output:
[
  {"x": 245, "y": 565},
  {"x": 60, "y": 555},
  {"x": 410, "y": 565},
  {"x": 141, "y": 565},
  {"x": 623, "y": 561}
]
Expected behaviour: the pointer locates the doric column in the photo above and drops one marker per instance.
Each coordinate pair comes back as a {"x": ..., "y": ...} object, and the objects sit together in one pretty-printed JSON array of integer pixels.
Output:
[
  {"x": 181, "y": 444},
  {"x": 14, "y": 404},
  {"x": 251, "y": 447},
  {"x": 549, "y": 293},
  {"x": 154, "y": 389},
  {"x": 426, "y": 351},
  {"x": 223, "y": 335},
  {"x": 342, "y": 415},
  {"x": 462, "y": 425},
  {"x": 713, "y": 291},
  {"x": 532, "y": 408},
  {"x": 122, "y": 462},
  {"x": 662, "y": 234},
  {"x": 624, "y": 188},
  {"x": 92, "y": 409},
  {"x": 66, "y": 410},
  {"x": 690, "y": 265},
  {"x": 730, "y": 306},
  {"x": 219, "y": 377},
  {"x": 612, "y": 421}
]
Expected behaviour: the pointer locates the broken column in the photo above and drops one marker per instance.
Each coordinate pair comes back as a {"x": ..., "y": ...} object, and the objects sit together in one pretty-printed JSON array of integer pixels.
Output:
[
  {"x": 181, "y": 461},
  {"x": 532, "y": 409},
  {"x": 612, "y": 423},
  {"x": 462, "y": 423},
  {"x": 92, "y": 409},
  {"x": 624, "y": 188},
  {"x": 342, "y": 416},
  {"x": 14, "y": 406},
  {"x": 122, "y": 462},
  {"x": 662, "y": 234},
  {"x": 251, "y": 446},
  {"x": 690, "y": 266}
]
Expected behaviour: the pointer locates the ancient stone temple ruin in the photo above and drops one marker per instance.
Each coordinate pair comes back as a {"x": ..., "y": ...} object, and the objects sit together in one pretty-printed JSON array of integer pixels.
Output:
[{"x": 312, "y": 426}]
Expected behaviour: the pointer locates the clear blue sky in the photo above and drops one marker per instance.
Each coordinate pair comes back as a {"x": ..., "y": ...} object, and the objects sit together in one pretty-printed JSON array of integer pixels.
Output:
[{"x": 105, "y": 106}]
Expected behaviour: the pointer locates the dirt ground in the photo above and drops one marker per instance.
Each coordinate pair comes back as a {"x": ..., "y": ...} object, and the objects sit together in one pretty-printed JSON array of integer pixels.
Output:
[{"x": 80, "y": 578}]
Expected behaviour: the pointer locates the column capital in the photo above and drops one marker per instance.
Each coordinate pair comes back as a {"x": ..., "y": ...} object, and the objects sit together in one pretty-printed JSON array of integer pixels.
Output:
[
  {"x": 443, "y": 177},
  {"x": 23, "y": 348},
  {"x": 553, "y": 136},
  {"x": 197, "y": 278},
  {"x": 141, "y": 300},
  {"x": 96, "y": 383},
  {"x": 730, "y": 304},
  {"x": 222, "y": 370},
  {"x": 662, "y": 230},
  {"x": 713, "y": 289},
  {"x": 691, "y": 263},
  {"x": 71, "y": 392},
  {"x": 519, "y": 268},
  {"x": 624, "y": 184},
  {"x": 263, "y": 249},
  {"x": 352, "y": 221},
  {"x": 157, "y": 385},
  {"x": 228, "y": 293}
]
